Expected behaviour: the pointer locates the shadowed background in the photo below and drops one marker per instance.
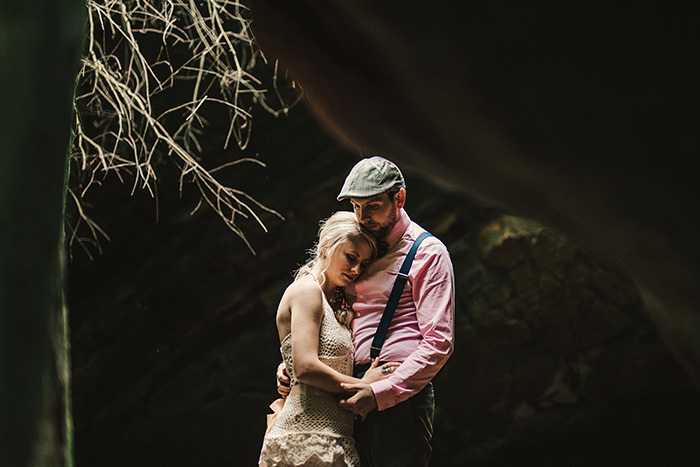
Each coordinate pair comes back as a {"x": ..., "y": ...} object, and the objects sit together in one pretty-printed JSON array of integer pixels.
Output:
[
  {"x": 174, "y": 345},
  {"x": 541, "y": 109}
]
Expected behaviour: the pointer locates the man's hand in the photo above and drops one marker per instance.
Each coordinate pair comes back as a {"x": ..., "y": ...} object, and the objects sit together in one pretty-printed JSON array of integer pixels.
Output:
[
  {"x": 282, "y": 381},
  {"x": 360, "y": 403},
  {"x": 376, "y": 372}
]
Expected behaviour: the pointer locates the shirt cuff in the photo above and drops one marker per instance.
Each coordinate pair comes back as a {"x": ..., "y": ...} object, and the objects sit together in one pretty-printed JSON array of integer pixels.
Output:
[{"x": 384, "y": 394}]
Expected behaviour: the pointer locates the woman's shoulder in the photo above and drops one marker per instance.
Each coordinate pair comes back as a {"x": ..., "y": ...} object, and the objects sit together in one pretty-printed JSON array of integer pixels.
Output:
[{"x": 304, "y": 289}]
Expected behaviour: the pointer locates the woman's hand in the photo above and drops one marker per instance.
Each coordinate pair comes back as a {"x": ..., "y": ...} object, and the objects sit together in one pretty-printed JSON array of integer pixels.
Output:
[{"x": 377, "y": 372}]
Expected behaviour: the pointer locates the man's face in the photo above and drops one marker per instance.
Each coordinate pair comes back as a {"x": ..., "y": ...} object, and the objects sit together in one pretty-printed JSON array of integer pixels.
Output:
[{"x": 380, "y": 213}]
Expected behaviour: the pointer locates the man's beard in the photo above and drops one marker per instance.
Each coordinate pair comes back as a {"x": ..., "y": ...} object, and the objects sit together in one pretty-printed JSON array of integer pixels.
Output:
[{"x": 382, "y": 231}]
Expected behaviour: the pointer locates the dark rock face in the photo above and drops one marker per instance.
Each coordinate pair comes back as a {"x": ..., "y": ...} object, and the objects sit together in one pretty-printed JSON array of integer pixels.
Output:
[
  {"x": 175, "y": 348},
  {"x": 555, "y": 363}
]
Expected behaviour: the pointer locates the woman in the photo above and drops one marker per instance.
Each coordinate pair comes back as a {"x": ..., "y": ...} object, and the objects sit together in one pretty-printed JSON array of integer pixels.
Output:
[{"x": 313, "y": 321}]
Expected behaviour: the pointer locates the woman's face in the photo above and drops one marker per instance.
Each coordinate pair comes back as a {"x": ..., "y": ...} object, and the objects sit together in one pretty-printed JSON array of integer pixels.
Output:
[{"x": 347, "y": 261}]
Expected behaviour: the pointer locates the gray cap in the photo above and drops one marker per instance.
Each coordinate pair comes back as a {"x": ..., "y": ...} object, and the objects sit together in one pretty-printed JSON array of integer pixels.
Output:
[{"x": 371, "y": 177}]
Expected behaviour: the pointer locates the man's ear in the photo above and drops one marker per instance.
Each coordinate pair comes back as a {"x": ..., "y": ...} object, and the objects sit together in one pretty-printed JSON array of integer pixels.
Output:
[{"x": 400, "y": 197}]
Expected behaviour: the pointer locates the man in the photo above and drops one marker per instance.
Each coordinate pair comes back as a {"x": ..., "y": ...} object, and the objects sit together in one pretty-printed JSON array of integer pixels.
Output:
[{"x": 396, "y": 413}]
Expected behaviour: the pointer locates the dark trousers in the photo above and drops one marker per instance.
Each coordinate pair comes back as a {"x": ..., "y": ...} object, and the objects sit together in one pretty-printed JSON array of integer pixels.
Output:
[{"x": 398, "y": 436}]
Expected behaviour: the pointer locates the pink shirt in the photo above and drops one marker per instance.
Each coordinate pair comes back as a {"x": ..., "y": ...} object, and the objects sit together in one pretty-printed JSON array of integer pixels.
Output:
[{"x": 420, "y": 334}]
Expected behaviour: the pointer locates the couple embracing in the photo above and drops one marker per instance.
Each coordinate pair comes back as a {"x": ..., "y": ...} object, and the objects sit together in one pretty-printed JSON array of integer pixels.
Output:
[{"x": 358, "y": 359}]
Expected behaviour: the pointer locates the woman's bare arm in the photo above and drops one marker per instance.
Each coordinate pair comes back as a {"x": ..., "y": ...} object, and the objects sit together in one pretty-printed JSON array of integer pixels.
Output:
[{"x": 306, "y": 304}]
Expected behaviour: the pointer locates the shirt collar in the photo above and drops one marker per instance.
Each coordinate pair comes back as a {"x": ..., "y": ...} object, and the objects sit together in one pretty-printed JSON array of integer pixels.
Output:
[{"x": 399, "y": 229}]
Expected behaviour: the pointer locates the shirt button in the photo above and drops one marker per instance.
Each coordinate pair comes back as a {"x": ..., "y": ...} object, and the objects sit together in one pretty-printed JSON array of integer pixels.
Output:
[
  {"x": 358, "y": 314},
  {"x": 362, "y": 297}
]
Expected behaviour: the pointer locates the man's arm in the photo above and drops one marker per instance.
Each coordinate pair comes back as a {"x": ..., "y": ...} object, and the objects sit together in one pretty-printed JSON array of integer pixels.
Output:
[
  {"x": 433, "y": 289},
  {"x": 283, "y": 381}
]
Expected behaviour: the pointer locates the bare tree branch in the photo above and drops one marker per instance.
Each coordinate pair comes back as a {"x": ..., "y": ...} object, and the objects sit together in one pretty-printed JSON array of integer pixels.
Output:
[{"x": 141, "y": 58}]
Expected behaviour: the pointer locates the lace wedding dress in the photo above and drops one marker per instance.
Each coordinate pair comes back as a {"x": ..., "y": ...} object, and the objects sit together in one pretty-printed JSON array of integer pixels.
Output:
[{"x": 311, "y": 430}]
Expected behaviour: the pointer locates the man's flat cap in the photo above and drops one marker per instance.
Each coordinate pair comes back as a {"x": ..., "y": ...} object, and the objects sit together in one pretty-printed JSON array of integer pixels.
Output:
[{"x": 371, "y": 177}]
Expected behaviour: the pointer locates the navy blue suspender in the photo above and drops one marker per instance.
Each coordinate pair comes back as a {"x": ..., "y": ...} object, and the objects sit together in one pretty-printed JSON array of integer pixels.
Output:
[{"x": 394, "y": 298}]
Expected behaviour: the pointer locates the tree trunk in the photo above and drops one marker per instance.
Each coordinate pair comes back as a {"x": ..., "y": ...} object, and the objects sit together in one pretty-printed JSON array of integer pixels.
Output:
[{"x": 40, "y": 44}]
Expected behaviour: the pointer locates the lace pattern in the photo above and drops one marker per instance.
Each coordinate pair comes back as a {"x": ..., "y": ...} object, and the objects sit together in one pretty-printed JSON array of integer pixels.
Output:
[
  {"x": 309, "y": 449},
  {"x": 311, "y": 430},
  {"x": 335, "y": 347}
]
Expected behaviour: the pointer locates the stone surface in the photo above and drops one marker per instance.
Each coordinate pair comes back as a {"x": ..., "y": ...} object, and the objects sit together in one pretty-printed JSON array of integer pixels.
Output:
[{"x": 557, "y": 348}]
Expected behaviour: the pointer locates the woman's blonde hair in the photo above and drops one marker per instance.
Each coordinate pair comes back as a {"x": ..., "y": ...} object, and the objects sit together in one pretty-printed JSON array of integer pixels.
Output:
[{"x": 339, "y": 227}]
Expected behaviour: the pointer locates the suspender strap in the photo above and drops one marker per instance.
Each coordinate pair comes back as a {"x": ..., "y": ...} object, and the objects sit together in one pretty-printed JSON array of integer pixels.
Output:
[{"x": 393, "y": 301}]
